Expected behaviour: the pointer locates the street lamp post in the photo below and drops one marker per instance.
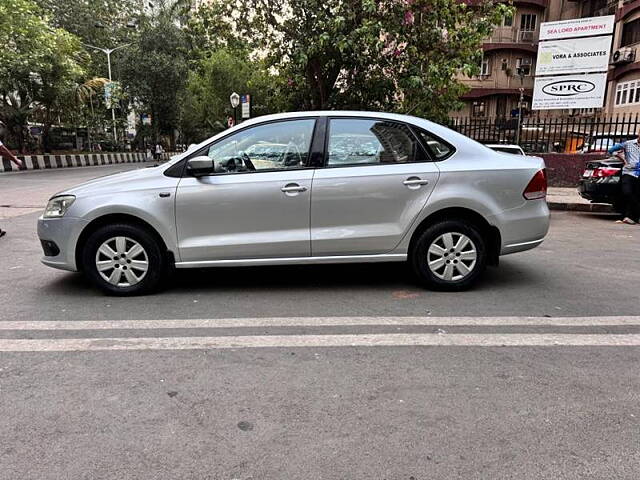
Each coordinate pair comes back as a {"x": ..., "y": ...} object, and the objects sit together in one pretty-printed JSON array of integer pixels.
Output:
[{"x": 108, "y": 52}]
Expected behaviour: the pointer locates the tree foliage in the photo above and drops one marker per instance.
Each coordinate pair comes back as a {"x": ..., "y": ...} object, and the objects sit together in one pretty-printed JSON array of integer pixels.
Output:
[
  {"x": 371, "y": 54},
  {"x": 154, "y": 71},
  {"x": 39, "y": 66}
]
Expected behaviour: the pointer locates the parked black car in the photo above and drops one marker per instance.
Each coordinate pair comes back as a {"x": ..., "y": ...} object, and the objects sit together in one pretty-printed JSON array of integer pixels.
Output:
[{"x": 600, "y": 182}]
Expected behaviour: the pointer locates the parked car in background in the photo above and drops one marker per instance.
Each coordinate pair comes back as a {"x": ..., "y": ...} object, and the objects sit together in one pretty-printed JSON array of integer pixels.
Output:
[
  {"x": 499, "y": 147},
  {"x": 602, "y": 142},
  {"x": 368, "y": 187},
  {"x": 601, "y": 182}
]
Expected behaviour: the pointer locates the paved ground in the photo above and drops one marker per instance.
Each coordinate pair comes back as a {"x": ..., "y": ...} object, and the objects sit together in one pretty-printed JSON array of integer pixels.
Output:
[{"x": 231, "y": 378}]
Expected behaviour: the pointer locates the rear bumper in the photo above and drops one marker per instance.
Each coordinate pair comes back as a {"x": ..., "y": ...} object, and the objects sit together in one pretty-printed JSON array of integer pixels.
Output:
[
  {"x": 599, "y": 192},
  {"x": 63, "y": 233},
  {"x": 522, "y": 228}
]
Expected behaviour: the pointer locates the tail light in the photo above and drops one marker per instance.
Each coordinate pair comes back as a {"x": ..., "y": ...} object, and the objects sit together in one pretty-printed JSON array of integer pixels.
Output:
[
  {"x": 602, "y": 172},
  {"x": 537, "y": 187}
]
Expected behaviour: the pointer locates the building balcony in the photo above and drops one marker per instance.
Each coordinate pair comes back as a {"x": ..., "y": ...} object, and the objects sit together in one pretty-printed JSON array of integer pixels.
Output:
[
  {"x": 512, "y": 38},
  {"x": 530, "y": 3},
  {"x": 627, "y": 9},
  {"x": 498, "y": 81},
  {"x": 476, "y": 93}
]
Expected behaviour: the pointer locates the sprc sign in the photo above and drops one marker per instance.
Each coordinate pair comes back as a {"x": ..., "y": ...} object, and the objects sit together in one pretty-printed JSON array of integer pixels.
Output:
[
  {"x": 568, "y": 88},
  {"x": 569, "y": 91}
]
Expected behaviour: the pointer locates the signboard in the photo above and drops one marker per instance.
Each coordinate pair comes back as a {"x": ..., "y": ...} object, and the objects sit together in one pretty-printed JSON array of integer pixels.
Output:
[
  {"x": 581, "y": 55},
  {"x": 112, "y": 94},
  {"x": 569, "y": 91},
  {"x": 579, "y": 27},
  {"x": 245, "y": 101}
]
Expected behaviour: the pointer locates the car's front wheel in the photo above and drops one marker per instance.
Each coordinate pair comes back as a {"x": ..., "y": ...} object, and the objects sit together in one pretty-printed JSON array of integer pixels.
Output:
[
  {"x": 123, "y": 260},
  {"x": 450, "y": 255}
]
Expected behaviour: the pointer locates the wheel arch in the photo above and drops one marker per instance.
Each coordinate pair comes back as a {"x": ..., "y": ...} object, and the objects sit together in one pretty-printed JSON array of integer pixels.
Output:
[
  {"x": 114, "y": 218},
  {"x": 490, "y": 232}
]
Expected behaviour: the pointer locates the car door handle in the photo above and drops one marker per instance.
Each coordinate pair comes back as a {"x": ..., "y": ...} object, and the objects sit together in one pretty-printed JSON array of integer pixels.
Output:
[
  {"x": 293, "y": 188},
  {"x": 415, "y": 181}
]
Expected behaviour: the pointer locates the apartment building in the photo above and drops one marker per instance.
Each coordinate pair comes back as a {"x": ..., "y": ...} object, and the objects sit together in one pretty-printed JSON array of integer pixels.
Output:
[{"x": 509, "y": 58}]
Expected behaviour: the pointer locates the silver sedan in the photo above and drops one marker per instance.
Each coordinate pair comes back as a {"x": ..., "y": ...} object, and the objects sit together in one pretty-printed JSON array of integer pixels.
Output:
[{"x": 303, "y": 188}]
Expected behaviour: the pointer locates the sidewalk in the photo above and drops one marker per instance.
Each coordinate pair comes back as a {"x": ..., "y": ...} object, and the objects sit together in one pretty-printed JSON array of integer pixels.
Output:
[{"x": 568, "y": 199}]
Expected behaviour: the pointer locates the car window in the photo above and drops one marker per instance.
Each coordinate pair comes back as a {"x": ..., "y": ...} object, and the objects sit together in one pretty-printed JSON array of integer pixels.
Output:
[
  {"x": 366, "y": 142},
  {"x": 272, "y": 146},
  {"x": 438, "y": 149}
]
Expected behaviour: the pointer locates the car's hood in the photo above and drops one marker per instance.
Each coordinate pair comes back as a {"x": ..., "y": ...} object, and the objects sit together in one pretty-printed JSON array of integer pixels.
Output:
[{"x": 114, "y": 181}]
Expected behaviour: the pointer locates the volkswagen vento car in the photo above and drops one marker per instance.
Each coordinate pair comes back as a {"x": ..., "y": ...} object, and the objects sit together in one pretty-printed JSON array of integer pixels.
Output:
[{"x": 305, "y": 188}]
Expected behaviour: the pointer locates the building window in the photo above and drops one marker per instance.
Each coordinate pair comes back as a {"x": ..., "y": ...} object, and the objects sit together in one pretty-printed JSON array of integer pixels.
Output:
[
  {"x": 528, "y": 22},
  {"x": 505, "y": 64},
  {"x": 507, "y": 20},
  {"x": 628, "y": 93},
  {"x": 485, "y": 67},
  {"x": 630, "y": 33},
  {"x": 478, "y": 109},
  {"x": 523, "y": 66}
]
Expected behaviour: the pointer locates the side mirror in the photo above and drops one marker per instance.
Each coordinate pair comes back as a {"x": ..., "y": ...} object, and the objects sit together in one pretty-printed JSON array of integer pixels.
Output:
[{"x": 200, "y": 166}]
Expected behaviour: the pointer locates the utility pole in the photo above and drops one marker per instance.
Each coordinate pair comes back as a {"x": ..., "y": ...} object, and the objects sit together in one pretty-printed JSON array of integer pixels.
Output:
[{"x": 108, "y": 52}]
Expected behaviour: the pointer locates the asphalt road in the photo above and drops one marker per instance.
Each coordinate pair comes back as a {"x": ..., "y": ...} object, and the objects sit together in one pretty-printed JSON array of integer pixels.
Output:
[{"x": 226, "y": 375}]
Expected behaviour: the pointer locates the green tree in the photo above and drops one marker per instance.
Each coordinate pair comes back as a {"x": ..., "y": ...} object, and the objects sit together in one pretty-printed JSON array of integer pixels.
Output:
[
  {"x": 102, "y": 23},
  {"x": 205, "y": 104},
  {"x": 370, "y": 54},
  {"x": 39, "y": 65},
  {"x": 154, "y": 71}
]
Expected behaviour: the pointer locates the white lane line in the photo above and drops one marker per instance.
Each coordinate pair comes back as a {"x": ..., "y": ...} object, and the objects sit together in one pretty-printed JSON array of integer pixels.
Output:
[
  {"x": 292, "y": 341},
  {"x": 318, "y": 321}
]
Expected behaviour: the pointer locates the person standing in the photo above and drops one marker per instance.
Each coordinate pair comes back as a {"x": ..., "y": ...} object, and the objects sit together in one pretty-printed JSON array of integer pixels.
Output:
[
  {"x": 159, "y": 151},
  {"x": 630, "y": 178},
  {"x": 5, "y": 152}
]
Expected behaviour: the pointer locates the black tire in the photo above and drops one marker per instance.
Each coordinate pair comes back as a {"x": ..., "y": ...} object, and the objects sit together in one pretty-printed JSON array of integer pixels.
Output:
[
  {"x": 157, "y": 263},
  {"x": 420, "y": 256}
]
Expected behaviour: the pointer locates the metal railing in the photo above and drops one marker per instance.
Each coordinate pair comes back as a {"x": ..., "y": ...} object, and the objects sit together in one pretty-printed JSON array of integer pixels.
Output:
[{"x": 568, "y": 134}]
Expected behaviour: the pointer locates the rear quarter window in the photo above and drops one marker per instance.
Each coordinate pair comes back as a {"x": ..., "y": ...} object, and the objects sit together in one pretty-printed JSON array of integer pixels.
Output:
[{"x": 437, "y": 148}]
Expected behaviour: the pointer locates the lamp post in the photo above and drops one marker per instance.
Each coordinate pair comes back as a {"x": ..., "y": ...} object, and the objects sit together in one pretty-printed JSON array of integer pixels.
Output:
[
  {"x": 235, "y": 101},
  {"x": 108, "y": 52}
]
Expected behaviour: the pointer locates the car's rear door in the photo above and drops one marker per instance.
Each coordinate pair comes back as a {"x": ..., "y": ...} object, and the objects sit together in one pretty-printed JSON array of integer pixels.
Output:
[{"x": 376, "y": 179}]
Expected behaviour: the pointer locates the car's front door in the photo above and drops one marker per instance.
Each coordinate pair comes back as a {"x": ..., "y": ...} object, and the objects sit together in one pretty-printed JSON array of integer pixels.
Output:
[
  {"x": 377, "y": 178},
  {"x": 257, "y": 203}
]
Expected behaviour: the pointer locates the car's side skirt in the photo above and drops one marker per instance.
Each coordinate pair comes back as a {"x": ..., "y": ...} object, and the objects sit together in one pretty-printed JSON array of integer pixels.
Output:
[{"x": 250, "y": 262}]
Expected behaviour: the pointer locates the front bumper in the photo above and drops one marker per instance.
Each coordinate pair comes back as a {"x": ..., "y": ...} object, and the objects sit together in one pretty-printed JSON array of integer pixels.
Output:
[{"x": 63, "y": 233}]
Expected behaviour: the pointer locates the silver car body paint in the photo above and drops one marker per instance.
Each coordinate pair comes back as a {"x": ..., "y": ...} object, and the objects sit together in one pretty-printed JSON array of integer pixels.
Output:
[{"x": 348, "y": 214}]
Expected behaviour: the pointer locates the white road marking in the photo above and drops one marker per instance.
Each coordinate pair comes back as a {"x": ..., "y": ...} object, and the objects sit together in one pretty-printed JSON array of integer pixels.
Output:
[
  {"x": 293, "y": 341},
  {"x": 318, "y": 321}
]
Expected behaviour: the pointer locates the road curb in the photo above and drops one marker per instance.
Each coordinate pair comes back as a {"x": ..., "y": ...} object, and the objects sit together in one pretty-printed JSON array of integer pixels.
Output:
[{"x": 581, "y": 207}]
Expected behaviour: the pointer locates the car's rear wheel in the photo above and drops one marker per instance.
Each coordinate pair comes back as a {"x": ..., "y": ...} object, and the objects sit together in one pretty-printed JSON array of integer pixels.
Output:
[
  {"x": 450, "y": 255},
  {"x": 123, "y": 260}
]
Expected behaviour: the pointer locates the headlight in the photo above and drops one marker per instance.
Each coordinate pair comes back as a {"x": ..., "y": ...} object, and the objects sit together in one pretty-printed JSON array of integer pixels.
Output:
[{"x": 58, "y": 206}]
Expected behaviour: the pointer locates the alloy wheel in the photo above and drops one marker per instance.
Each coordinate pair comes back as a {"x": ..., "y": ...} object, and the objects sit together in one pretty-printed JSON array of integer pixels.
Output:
[
  {"x": 452, "y": 256},
  {"x": 122, "y": 261}
]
